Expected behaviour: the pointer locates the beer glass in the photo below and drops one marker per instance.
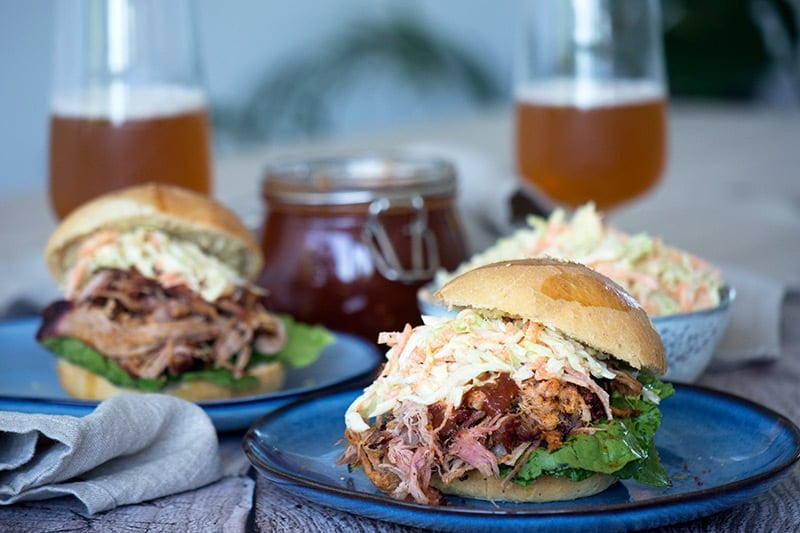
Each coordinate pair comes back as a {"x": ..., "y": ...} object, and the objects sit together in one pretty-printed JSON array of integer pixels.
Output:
[
  {"x": 127, "y": 103},
  {"x": 590, "y": 100}
]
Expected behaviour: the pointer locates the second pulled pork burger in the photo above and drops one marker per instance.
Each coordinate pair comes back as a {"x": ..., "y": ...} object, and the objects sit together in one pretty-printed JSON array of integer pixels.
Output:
[
  {"x": 158, "y": 298},
  {"x": 542, "y": 388}
]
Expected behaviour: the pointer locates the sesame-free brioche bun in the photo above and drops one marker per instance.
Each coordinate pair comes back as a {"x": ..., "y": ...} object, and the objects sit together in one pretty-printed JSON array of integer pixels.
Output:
[
  {"x": 83, "y": 384},
  {"x": 569, "y": 297},
  {"x": 176, "y": 211},
  {"x": 542, "y": 489}
]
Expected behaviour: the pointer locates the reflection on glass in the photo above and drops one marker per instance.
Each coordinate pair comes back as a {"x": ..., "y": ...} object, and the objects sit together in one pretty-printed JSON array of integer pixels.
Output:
[{"x": 127, "y": 102}]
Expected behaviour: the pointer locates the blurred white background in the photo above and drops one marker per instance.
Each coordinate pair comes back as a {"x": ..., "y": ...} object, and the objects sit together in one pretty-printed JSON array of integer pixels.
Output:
[{"x": 242, "y": 42}]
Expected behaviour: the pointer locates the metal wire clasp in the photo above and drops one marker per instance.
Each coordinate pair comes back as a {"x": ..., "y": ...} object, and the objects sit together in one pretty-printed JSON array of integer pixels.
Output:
[{"x": 424, "y": 252}]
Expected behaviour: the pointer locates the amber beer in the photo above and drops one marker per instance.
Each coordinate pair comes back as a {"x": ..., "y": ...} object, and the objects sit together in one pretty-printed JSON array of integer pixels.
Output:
[
  {"x": 160, "y": 136},
  {"x": 604, "y": 143}
]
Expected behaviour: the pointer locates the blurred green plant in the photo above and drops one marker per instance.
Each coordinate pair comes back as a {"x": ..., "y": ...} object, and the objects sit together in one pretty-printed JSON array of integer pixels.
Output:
[
  {"x": 295, "y": 99},
  {"x": 725, "y": 48}
]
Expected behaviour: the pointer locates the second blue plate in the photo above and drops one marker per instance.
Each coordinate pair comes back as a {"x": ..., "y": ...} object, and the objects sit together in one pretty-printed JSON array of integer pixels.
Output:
[
  {"x": 713, "y": 464},
  {"x": 29, "y": 383}
]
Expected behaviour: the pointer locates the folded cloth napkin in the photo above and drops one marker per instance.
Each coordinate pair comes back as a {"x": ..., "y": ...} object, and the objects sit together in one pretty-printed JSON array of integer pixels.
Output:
[
  {"x": 754, "y": 329},
  {"x": 131, "y": 448}
]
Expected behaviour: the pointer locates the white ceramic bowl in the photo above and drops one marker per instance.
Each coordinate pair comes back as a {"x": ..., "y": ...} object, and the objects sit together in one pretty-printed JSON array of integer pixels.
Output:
[{"x": 689, "y": 338}]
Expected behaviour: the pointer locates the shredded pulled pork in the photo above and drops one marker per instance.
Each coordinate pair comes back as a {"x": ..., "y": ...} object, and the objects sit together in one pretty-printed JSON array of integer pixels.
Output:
[
  {"x": 149, "y": 329},
  {"x": 497, "y": 423}
]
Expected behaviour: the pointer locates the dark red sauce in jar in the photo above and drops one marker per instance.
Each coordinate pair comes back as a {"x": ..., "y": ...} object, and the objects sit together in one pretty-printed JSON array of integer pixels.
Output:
[{"x": 347, "y": 242}]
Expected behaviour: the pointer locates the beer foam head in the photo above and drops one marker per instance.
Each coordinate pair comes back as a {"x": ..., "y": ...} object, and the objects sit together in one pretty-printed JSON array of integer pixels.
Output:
[
  {"x": 125, "y": 102},
  {"x": 572, "y": 92}
]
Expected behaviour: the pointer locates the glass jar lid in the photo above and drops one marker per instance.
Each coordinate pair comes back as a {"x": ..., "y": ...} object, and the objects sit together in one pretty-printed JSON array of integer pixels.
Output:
[{"x": 357, "y": 179}]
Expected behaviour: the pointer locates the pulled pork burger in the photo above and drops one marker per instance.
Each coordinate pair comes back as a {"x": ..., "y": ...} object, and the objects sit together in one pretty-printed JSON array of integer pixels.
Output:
[
  {"x": 158, "y": 298},
  {"x": 542, "y": 388}
]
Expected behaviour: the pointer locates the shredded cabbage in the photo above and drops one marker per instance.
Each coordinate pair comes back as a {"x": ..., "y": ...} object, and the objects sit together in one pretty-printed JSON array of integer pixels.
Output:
[
  {"x": 155, "y": 255},
  {"x": 663, "y": 279},
  {"x": 443, "y": 358}
]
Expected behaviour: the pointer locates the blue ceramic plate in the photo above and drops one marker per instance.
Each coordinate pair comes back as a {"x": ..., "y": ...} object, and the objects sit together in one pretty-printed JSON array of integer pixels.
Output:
[
  {"x": 28, "y": 380},
  {"x": 713, "y": 464}
]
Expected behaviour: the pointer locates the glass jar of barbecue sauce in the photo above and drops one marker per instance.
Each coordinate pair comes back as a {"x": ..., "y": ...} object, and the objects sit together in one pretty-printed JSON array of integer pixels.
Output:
[{"x": 348, "y": 241}]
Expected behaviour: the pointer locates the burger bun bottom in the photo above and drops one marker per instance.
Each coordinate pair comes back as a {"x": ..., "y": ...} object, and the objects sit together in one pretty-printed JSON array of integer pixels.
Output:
[
  {"x": 78, "y": 382},
  {"x": 544, "y": 489}
]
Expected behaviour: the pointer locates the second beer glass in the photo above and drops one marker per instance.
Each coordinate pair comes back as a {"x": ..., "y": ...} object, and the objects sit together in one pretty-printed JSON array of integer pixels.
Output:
[
  {"x": 127, "y": 101},
  {"x": 590, "y": 100}
]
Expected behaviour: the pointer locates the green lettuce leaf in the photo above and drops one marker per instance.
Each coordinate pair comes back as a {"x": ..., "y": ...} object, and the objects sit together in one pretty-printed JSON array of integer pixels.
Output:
[
  {"x": 624, "y": 447},
  {"x": 652, "y": 383},
  {"x": 83, "y": 355},
  {"x": 303, "y": 347},
  {"x": 304, "y": 343}
]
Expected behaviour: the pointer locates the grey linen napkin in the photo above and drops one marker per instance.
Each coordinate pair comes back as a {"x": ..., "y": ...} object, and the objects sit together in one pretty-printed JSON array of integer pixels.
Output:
[
  {"x": 754, "y": 330},
  {"x": 131, "y": 448}
]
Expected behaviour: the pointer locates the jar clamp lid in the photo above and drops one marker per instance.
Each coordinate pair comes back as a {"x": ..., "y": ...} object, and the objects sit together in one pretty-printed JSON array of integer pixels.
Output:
[
  {"x": 357, "y": 179},
  {"x": 380, "y": 182}
]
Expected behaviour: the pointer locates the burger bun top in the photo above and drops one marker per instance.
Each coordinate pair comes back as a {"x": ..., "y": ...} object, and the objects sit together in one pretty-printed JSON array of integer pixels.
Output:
[
  {"x": 568, "y": 297},
  {"x": 178, "y": 212}
]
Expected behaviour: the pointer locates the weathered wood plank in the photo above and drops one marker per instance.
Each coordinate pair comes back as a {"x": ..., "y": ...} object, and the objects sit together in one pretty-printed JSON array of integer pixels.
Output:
[
  {"x": 281, "y": 512},
  {"x": 221, "y": 506}
]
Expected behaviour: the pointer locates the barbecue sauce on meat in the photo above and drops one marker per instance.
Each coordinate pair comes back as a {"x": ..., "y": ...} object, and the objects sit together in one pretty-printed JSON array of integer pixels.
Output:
[
  {"x": 490, "y": 399},
  {"x": 502, "y": 397},
  {"x": 494, "y": 397}
]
